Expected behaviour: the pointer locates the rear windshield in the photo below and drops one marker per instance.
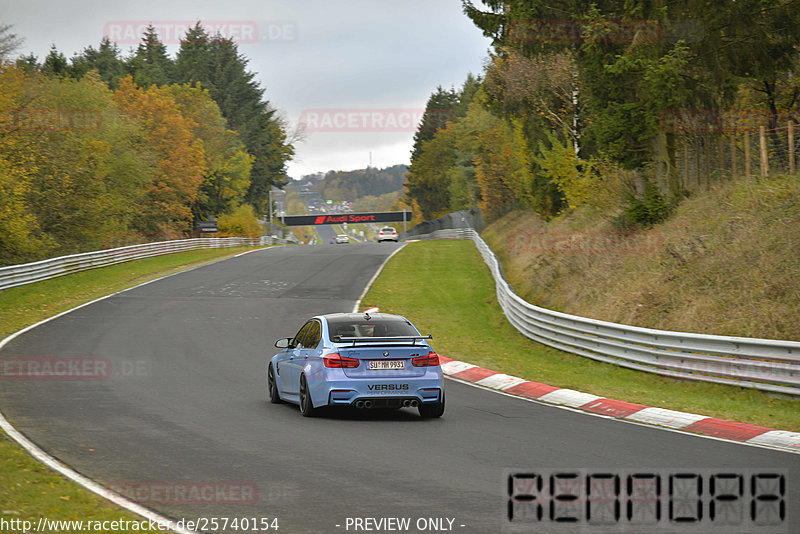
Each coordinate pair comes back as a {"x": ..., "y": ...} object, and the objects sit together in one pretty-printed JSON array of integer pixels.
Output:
[{"x": 360, "y": 327}]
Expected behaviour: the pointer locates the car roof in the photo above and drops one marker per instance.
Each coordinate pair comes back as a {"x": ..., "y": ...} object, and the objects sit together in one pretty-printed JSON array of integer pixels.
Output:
[{"x": 359, "y": 316}]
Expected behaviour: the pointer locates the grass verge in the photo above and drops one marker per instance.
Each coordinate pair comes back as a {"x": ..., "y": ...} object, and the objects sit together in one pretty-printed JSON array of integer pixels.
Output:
[
  {"x": 28, "y": 489},
  {"x": 725, "y": 263},
  {"x": 450, "y": 293}
]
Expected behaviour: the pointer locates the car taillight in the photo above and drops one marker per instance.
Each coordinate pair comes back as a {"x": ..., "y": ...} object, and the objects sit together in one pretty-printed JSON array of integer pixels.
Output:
[
  {"x": 431, "y": 360},
  {"x": 335, "y": 360}
]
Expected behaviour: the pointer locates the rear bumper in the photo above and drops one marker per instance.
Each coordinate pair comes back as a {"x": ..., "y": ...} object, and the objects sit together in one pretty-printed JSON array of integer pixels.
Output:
[
  {"x": 385, "y": 394},
  {"x": 385, "y": 403}
]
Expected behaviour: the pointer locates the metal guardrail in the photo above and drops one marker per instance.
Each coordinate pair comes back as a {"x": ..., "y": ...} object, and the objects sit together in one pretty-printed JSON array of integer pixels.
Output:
[
  {"x": 765, "y": 364},
  {"x": 27, "y": 273},
  {"x": 448, "y": 233},
  {"x": 458, "y": 219}
]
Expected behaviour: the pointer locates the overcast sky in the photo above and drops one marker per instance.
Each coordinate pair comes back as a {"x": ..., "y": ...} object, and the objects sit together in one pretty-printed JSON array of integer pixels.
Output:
[{"x": 358, "y": 72}]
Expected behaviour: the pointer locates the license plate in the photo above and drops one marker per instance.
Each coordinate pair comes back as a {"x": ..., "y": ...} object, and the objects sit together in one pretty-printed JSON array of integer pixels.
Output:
[{"x": 386, "y": 364}]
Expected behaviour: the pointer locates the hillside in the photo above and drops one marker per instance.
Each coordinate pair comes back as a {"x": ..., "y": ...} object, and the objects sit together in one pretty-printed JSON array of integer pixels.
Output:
[
  {"x": 725, "y": 263},
  {"x": 352, "y": 185}
]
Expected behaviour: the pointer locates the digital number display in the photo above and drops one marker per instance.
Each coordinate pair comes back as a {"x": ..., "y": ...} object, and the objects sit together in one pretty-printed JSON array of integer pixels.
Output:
[{"x": 660, "y": 500}]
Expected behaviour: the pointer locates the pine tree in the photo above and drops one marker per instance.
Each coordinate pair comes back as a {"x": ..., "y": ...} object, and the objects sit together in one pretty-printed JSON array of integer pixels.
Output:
[
  {"x": 106, "y": 60},
  {"x": 438, "y": 111},
  {"x": 219, "y": 67},
  {"x": 29, "y": 63},
  {"x": 55, "y": 63},
  {"x": 150, "y": 64},
  {"x": 193, "y": 62}
]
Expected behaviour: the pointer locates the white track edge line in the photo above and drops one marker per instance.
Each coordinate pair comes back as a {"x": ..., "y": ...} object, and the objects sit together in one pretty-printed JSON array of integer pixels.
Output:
[
  {"x": 624, "y": 420},
  {"x": 67, "y": 471},
  {"x": 85, "y": 482},
  {"x": 260, "y": 247},
  {"x": 375, "y": 276}
]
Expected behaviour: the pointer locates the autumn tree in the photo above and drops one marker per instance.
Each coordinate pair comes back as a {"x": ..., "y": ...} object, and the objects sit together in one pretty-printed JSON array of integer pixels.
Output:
[
  {"x": 441, "y": 175},
  {"x": 84, "y": 167},
  {"x": 180, "y": 158},
  {"x": 638, "y": 59},
  {"x": 20, "y": 235},
  {"x": 242, "y": 222},
  {"x": 216, "y": 63},
  {"x": 89, "y": 179},
  {"x": 227, "y": 163}
]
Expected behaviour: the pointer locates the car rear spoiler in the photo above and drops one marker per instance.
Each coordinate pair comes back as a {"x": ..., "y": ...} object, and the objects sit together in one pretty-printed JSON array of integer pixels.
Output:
[{"x": 384, "y": 339}]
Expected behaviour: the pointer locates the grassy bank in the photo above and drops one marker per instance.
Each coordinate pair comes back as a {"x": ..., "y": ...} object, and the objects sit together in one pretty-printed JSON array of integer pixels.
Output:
[
  {"x": 28, "y": 489},
  {"x": 445, "y": 289},
  {"x": 725, "y": 263}
]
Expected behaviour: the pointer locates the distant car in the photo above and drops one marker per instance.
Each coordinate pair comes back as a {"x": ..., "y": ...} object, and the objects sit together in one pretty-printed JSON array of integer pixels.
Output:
[
  {"x": 341, "y": 238},
  {"x": 359, "y": 360},
  {"x": 387, "y": 233}
]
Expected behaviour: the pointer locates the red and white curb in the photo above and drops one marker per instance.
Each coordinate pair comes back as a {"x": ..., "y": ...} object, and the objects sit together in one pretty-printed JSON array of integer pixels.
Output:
[
  {"x": 629, "y": 411},
  {"x": 688, "y": 422}
]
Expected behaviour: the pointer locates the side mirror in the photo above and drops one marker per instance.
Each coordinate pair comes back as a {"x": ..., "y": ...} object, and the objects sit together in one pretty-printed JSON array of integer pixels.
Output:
[{"x": 283, "y": 343}]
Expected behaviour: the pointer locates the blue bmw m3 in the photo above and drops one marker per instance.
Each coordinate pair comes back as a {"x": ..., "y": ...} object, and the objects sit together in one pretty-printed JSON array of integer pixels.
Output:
[{"x": 357, "y": 359}]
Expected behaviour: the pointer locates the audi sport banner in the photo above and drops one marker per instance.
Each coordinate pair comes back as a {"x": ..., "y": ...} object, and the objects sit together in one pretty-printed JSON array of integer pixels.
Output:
[{"x": 351, "y": 218}]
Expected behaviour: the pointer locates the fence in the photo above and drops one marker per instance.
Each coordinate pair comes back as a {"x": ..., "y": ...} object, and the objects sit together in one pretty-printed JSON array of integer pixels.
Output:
[
  {"x": 716, "y": 146},
  {"x": 765, "y": 364},
  {"x": 27, "y": 273},
  {"x": 459, "y": 219}
]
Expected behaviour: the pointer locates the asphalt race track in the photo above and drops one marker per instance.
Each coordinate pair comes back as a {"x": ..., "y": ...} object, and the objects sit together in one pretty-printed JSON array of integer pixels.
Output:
[
  {"x": 326, "y": 234},
  {"x": 184, "y": 406}
]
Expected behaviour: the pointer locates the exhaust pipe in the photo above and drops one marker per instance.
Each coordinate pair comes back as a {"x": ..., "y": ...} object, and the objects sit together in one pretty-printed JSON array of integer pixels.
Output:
[
  {"x": 368, "y": 404},
  {"x": 360, "y": 404},
  {"x": 414, "y": 404},
  {"x": 406, "y": 403}
]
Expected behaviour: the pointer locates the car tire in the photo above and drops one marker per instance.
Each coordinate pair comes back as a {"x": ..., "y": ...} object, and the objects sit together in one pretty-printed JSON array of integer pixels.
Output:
[
  {"x": 306, "y": 405},
  {"x": 272, "y": 387},
  {"x": 429, "y": 411}
]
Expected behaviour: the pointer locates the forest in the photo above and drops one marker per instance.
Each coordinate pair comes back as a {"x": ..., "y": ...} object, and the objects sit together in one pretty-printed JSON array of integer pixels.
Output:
[
  {"x": 352, "y": 185},
  {"x": 621, "y": 108},
  {"x": 102, "y": 149}
]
